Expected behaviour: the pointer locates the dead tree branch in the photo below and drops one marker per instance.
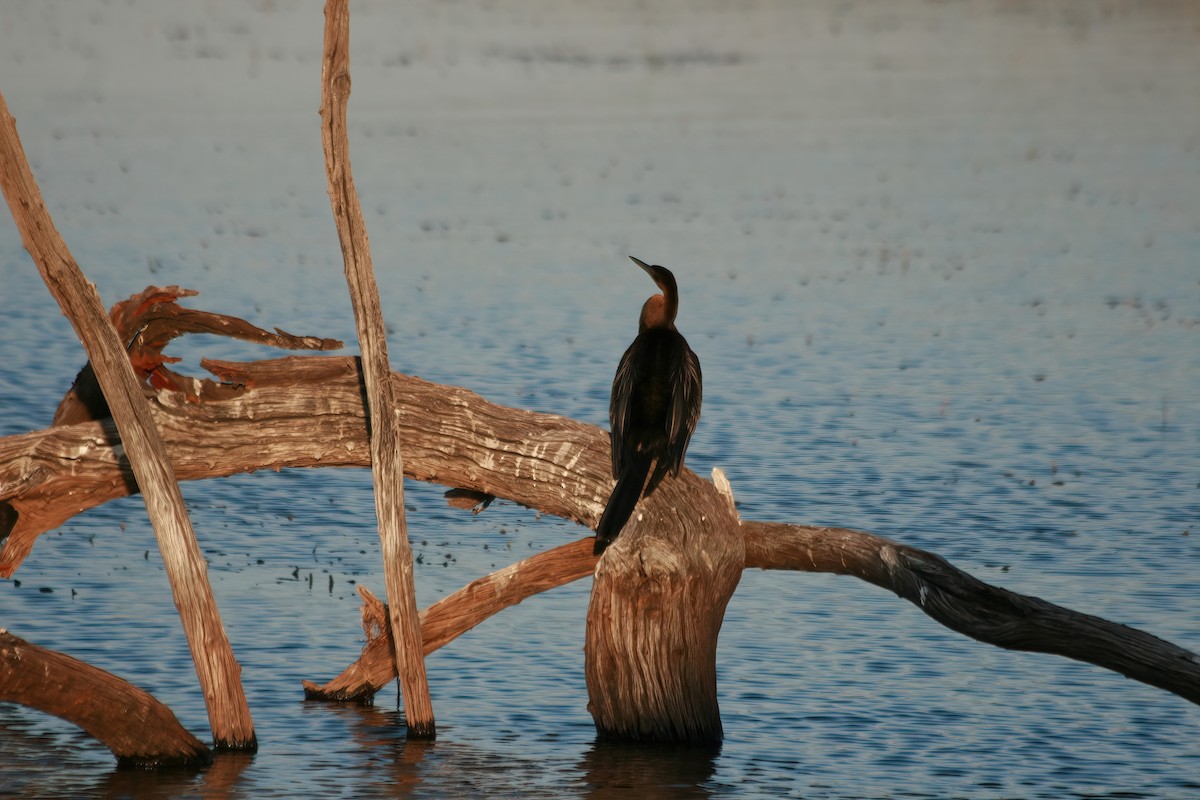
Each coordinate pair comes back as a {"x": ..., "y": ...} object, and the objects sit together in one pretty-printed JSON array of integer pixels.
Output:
[
  {"x": 971, "y": 607},
  {"x": 387, "y": 464},
  {"x": 452, "y": 616},
  {"x": 147, "y": 322},
  {"x": 308, "y": 412},
  {"x": 143, "y": 449},
  {"x": 140, "y": 731}
]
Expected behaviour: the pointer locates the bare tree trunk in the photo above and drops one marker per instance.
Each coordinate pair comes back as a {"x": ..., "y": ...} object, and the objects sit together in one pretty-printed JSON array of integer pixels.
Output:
[
  {"x": 216, "y": 667},
  {"x": 657, "y": 605},
  {"x": 387, "y": 465},
  {"x": 140, "y": 731}
]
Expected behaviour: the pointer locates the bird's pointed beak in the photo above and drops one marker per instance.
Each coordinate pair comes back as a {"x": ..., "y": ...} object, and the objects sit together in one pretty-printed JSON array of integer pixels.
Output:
[{"x": 649, "y": 269}]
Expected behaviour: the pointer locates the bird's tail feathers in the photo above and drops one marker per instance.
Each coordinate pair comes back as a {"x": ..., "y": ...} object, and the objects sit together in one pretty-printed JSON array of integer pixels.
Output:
[{"x": 622, "y": 501}]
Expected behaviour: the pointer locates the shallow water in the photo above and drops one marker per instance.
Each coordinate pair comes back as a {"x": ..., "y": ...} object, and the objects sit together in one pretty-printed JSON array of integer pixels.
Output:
[{"x": 939, "y": 262}]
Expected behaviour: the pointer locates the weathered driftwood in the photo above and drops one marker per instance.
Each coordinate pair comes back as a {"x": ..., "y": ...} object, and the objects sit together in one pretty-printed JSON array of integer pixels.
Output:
[
  {"x": 308, "y": 412},
  {"x": 143, "y": 449},
  {"x": 968, "y": 605},
  {"x": 387, "y": 464},
  {"x": 140, "y": 731},
  {"x": 655, "y": 614},
  {"x": 147, "y": 322},
  {"x": 451, "y": 617}
]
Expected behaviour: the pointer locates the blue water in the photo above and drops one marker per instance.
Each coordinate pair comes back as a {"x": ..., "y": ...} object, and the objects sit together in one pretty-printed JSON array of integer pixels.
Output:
[{"x": 941, "y": 263}]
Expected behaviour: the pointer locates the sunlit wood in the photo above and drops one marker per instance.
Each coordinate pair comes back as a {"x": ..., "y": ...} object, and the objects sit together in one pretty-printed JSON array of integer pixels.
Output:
[
  {"x": 142, "y": 446},
  {"x": 387, "y": 465},
  {"x": 452, "y": 616},
  {"x": 139, "y": 730}
]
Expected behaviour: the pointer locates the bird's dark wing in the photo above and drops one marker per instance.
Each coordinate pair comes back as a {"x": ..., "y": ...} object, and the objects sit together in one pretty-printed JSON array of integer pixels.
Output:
[
  {"x": 685, "y": 406},
  {"x": 620, "y": 407}
]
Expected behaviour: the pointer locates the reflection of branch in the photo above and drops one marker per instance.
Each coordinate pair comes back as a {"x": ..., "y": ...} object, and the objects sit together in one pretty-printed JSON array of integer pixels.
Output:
[
  {"x": 971, "y": 607},
  {"x": 139, "y": 730},
  {"x": 452, "y": 616}
]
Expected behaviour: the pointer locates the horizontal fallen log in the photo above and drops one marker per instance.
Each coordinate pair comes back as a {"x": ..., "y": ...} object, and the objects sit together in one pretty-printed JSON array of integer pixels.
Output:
[
  {"x": 139, "y": 730},
  {"x": 308, "y": 412}
]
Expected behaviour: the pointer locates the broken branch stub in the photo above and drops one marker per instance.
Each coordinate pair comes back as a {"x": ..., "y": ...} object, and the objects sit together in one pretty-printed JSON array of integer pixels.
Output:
[
  {"x": 146, "y": 323},
  {"x": 656, "y": 611}
]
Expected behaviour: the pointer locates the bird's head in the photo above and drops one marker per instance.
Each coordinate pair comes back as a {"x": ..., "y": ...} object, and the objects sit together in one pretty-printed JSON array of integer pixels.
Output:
[{"x": 659, "y": 310}]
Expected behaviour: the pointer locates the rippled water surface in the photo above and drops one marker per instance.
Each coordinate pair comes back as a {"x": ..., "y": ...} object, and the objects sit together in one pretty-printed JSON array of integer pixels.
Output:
[{"x": 941, "y": 262}]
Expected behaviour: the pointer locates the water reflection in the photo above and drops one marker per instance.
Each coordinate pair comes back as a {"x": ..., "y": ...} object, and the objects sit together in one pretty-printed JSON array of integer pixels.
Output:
[
  {"x": 221, "y": 780},
  {"x": 652, "y": 772}
]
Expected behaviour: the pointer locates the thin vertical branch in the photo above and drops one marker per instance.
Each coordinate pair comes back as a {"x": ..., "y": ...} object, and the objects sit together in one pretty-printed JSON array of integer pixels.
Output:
[
  {"x": 386, "y": 461},
  {"x": 216, "y": 667}
]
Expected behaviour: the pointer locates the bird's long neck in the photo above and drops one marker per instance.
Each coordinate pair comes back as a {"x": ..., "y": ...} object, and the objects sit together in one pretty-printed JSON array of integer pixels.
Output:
[{"x": 659, "y": 312}]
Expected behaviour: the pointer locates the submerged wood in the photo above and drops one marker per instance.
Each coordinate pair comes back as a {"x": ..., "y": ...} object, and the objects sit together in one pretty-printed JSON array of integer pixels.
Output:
[
  {"x": 387, "y": 464},
  {"x": 655, "y": 614},
  {"x": 142, "y": 446},
  {"x": 139, "y": 730}
]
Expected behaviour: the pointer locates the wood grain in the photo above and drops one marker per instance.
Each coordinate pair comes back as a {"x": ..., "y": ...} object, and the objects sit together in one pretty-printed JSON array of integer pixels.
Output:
[
  {"x": 387, "y": 464},
  {"x": 139, "y": 730},
  {"x": 142, "y": 448}
]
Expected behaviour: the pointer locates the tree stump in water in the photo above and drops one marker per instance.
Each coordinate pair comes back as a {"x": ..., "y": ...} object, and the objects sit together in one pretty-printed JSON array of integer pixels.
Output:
[{"x": 657, "y": 605}]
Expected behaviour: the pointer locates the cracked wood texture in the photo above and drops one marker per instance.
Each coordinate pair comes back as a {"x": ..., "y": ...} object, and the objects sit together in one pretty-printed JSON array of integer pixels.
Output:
[
  {"x": 387, "y": 464},
  {"x": 143, "y": 450},
  {"x": 655, "y": 614},
  {"x": 139, "y": 730}
]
